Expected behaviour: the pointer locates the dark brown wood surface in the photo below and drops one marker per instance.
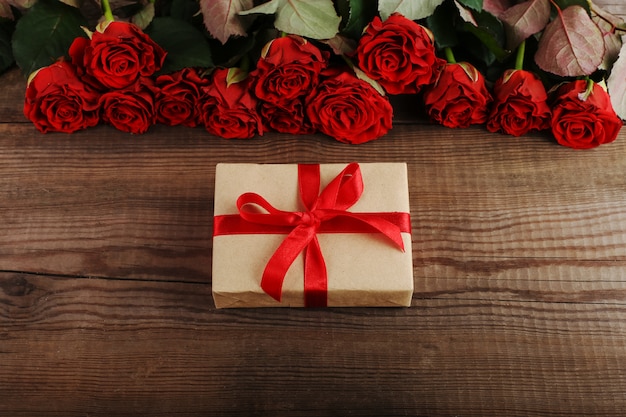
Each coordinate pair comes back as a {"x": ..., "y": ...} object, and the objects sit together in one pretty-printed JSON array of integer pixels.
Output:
[{"x": 519, "y": 249}]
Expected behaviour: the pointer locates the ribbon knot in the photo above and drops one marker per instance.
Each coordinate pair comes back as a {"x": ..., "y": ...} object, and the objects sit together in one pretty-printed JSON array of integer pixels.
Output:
[
  {"x": 325, "y": 211},
  {"x": 310, "y": 219}
]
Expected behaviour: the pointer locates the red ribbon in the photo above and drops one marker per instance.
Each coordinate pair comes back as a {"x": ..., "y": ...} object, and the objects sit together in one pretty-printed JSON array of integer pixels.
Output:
[{"x": 326, "y": 212}]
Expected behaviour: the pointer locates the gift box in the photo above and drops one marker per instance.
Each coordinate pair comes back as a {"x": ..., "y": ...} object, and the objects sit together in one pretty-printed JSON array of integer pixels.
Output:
[{"x": 312, "y": 235}]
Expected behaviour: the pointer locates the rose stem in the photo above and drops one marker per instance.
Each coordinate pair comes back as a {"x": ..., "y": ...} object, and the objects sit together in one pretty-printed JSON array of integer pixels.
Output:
[
  {"x": 106, "y": 8},
  {"x": 449, "y": 55},
  {"x": 519, "y": 59},
  {"x": 584, "y": 96}
]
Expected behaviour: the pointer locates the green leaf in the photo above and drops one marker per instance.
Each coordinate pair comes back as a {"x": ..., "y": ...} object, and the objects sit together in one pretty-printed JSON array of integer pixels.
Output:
[
  {"x": 45, "y": 33},
  {"x": 442, "y": 24},
  {"x": 356, "y": 15},
  {"x": 473, "y": 50},
  {"x": 364, "y": 77},
  {"x": 6, "y": 55},
  {"x": 490, "y": 31},
  {"x": 229, "y": 53},
  {"x": 315, "y": 19},
  {"x": 411, "y": 9},
  {"x": 144, "y": 16},
  {"x": 184, "y": 9},
  {"x": 124, "y": 10},
  {"x": 343, "y": 8},
  {"x": 186, "y": 46}
]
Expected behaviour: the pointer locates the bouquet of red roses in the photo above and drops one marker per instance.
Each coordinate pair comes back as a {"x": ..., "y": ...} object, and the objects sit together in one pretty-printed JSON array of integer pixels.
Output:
[{"x": 243, "y": 68}]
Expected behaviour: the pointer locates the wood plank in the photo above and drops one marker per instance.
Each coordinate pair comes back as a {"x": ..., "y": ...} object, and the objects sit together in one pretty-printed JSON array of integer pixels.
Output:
[
  {"x": 12, "y": 97},
  {"x": 159, "y": 349},
  {"x": 519, "y": 274},
  {"x": 111, "y": 207}
]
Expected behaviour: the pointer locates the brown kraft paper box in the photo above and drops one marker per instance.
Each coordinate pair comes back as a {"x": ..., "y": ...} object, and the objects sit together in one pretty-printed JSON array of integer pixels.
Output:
[{"x": 364, "y": 269}]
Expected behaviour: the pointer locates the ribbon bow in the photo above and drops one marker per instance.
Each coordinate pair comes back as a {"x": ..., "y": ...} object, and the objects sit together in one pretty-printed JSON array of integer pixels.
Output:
[{"x": 326, "y": 211}]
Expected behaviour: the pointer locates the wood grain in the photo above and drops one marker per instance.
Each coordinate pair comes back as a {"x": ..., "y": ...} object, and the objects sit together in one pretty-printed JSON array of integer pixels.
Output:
[
  {"x": 12, "y": 97},
  {"x": 132, "y": 347},
  {"x": 115, "y": 209},
  {"x": 519, "y": 260},
  {"x": 519, "y": 249}
]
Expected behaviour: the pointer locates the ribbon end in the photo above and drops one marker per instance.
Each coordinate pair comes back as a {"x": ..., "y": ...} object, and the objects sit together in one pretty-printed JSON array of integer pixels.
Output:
[
  {"x": 272, "y": 292},
  {"x": 316, "y": 298}
]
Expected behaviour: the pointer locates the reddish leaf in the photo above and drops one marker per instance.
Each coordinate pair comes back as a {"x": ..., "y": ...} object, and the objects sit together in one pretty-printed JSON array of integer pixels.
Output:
[
  {"x": 612, "y": 40},
  {"x": 221, "y": 17},
  {"x": 5, "y": 10},
  {"x": 571, "y": 45},
  {"x": 341, "y": 45},
  {"x": 616, "y": 84},
  {"x": 524, "y": 20},
  {"x": 465, "y": 14},
  {"x": 5, "y": 7},
  {"x": 496, "y": 7}
]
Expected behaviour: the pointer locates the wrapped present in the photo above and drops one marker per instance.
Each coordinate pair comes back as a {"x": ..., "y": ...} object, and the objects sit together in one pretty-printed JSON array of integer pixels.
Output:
[{"x": 312, "y": 235}]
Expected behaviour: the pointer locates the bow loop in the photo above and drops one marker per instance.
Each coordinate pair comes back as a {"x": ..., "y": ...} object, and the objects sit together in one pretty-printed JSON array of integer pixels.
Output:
[
  {"x": 256, "y": 209},
  {"x": 343, "y": 191}
]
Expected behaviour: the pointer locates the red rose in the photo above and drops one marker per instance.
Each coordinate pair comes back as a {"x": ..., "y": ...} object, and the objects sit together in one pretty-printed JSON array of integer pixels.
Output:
[
  {"x": 117, "y": 54},
  {"x": 228, "y": 108},
  {"x": 57, "y": 101},
  {"x": 288, "y": 69},
  {"x": 519, "y": 104},
  {"x": 179, "y": 97},
  {"x": 130, "y": 109},
  {"x": 292, "y": 120},
  {"x": 583, "y": 118},
  {"x": 398, "y": 53},
  {"x": 349, "y": 109},
  {"x": 458, "y": 97}
]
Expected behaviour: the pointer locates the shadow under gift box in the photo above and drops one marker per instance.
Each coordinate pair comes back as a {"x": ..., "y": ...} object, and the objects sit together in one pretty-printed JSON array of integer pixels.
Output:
[{"x": 364, "y": 269}]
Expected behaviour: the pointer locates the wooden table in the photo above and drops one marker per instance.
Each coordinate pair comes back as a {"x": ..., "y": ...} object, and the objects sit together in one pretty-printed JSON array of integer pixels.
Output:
[{"x": 519, "y": 251}]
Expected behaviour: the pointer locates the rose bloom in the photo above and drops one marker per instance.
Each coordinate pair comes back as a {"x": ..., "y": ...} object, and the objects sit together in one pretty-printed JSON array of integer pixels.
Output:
[
  {"x": 349, "y": 110},
  {"x": 130, "y": 109},
  {"x": 117, "y": 54},
  {"x": 519, "y": 104},
  {"x": 288, "y": 69},
  {"x": 178, "y": 98},
  {"x": 57, "y": 101},
  {"x": 583, "y": 119},
  {"x": 228, "y": 109},
  {"x": 286, "y": 120},
  {"x": 458, "y": 97},
  {"x": 398, "y": 53}
]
